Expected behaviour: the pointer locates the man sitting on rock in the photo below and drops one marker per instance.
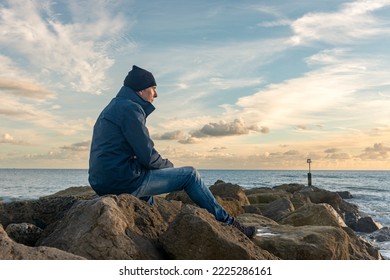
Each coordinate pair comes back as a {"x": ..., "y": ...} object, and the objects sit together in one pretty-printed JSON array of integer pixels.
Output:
[{"x": 123, "y": 158}]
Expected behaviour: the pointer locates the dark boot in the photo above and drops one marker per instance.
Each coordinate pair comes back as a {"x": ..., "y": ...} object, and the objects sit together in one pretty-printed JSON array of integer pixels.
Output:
[{"x": 249, "y": 231}]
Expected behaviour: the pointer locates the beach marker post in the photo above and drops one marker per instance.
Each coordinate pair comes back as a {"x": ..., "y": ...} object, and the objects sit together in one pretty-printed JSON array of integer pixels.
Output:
[{"x": 309, "y": 174}]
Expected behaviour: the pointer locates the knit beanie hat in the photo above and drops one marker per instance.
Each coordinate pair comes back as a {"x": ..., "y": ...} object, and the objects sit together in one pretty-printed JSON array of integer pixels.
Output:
[{"x": 139, "y": 79}]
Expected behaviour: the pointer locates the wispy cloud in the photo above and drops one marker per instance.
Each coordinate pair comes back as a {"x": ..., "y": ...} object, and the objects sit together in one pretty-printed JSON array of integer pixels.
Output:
[
  {"x": 72, "y": 46},
  {"x": 24, "y": 89},
  {"x": 314, "y": 98},
  {"x": 354, "y": 21},
  {"x": 17, "y": 110}
]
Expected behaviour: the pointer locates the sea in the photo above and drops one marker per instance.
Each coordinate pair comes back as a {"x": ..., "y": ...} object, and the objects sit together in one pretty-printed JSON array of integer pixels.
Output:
[{"x": 370, "y": 189}]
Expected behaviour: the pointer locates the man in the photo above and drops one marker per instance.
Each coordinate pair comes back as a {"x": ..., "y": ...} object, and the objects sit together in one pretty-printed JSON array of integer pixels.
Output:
[{"x": 123, "y": 158}]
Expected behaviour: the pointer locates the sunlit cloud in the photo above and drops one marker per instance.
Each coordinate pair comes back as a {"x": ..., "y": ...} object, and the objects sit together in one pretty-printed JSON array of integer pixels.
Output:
[
  {"x": 315, "y": 96},
  {"x": 377, "y": 152},
  {"x": 24, "y": 89},
  {"x": 354, "y": 21},
  {"x": 31, "y": 113},
  {"x": 213, "y": 129},
  {"x": 223, "y": 128},
  {"x": 9, "y": 139}
]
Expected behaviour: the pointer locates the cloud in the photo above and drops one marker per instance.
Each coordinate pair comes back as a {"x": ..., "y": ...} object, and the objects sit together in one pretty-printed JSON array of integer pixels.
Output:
[
  {"x": 351, "y": 22},
  {"x": 212, "y": 129},
  {"x": 189, "y": 140},
  {"x": 377, "y": 152},
  {"x": 78, "y": 147},
  {"x": 24, "y": 89},
  {"x": 9, "y": 139},
  {"x": 218, "y": 149},
  {"x": 66, "y": 45},
  {"x": 331, "y": 150},
  {"x": 172, "y": 135},
  {"x": 322, "y": 95},
  {"x": 223, "y": 128},
  {"x": 301, "y": 127},
  {"x": 292, "y": 153},
  {"x": 32, "y": 114},
  {"x": 339, "y": 156}
]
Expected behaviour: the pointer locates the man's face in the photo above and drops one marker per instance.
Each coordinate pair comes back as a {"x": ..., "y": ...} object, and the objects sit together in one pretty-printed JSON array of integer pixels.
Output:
[{"x": 148, "y": 94}]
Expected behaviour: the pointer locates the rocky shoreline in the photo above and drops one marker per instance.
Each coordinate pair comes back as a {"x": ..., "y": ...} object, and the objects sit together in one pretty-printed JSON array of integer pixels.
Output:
[{"x": 295, "y": 222}]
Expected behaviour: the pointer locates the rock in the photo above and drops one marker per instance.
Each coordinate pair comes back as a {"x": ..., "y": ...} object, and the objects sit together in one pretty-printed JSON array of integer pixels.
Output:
[
  {"x": 267, "y": 196},
  {"x": 10, "y": 250},
  {"x": 360, "y": 247},
  {"x": 278, "y": 209},
  {"x": 381, "y": 235},
  {"x": 180, "y": 196},
  {"x": 367, "y": 224},
  {"x": 24, "y": 233},
  {"x": 123, "y": 227},
  {"x": 252, "y": 209},
  {"x": 312, "y": 243},
  {"x": 231, "y": 197},
  {"x": 168, "y": 209},
  {"x": 298, "y": 200},
  {"x": 228, "y": 191},
  {"x": 110, "y": 227},
  {"x": 231, "y": 205},
  {"x": 195, "y": 235},
  {"x": 41, "y": 212},
  {"x": 345, "y": 194},
  {"x": 290, "y": 188},
  {"x": 85, "y": 192},
  {"x": 256, "y": 220},
  {"x": 348, "y": 211},
  {"x": 314, "y": 214}
]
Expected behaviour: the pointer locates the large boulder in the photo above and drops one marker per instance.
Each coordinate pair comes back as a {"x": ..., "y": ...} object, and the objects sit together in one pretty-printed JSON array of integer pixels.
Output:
[
  {"x": 83, "y": 192},
  {"x": 180, "y": 196},
  {"x": 278, "y": 209},
  {"x": 45, "y": 210},
  {"x": 195, "y": 234},
  {"x": 367, "y": 224},
  {"x": 229, "y": 191},
  {"x": 11, "y": 250},
  {"x": 348, "y": 211},
  {"x": 40, "y": 212},
  {"x": 266, "y": 195},
  {"x": 381, "y": 235},
  {"x": 321, "y": 214},
  {"x": 314, "y": 243},
  {"x": 111, "y": 227},
  {"x": 230, "y": 196}
]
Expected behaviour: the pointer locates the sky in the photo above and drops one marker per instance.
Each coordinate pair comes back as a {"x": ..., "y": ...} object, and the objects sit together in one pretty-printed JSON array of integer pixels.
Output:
[{"x": 241, "y": 84}]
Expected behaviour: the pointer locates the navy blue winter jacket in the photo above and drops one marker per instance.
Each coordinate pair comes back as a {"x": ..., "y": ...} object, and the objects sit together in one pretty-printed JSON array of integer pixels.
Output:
[{"x": 121, "y": 148}]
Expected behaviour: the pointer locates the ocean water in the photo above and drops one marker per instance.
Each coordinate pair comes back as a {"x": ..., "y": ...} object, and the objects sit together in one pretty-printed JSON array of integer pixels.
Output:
[{"x": 370, "y": 189}]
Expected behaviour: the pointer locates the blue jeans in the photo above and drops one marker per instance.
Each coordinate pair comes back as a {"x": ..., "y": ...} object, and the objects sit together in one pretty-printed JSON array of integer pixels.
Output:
[{"x": 160, "y": 181}]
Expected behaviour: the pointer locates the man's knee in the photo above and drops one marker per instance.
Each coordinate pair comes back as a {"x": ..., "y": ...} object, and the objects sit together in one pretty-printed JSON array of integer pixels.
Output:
[{"x": 192, "y": 171}]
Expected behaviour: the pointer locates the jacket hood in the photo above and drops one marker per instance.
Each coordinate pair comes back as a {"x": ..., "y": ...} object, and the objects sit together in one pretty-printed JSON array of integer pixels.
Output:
[{"x": 128, "y": 93}]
